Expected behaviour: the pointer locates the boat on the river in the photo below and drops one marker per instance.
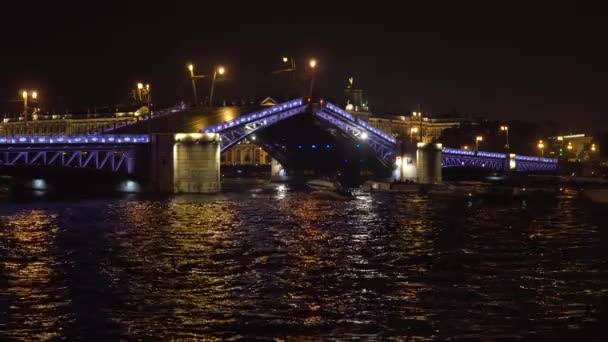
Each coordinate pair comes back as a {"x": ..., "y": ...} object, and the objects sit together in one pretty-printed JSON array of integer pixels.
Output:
[
  {"x": 321, "y": 184},
  {"x": 328, "y": 190}
]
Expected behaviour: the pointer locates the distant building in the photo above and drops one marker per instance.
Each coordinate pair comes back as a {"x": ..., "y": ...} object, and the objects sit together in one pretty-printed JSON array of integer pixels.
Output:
[
  {"x": 269, "y": 101},
  {"x": 409, "y": 127},
  {"x": 400, "y": 126},
  {"x": 245, "y": 153},
  {"x": 574, "y": 147}
]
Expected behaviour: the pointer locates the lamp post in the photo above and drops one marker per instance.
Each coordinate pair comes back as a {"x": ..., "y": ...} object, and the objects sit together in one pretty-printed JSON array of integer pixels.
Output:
[
  {"x": 419, "y": 115},
  {"x": 541, "y": 147},
  {"x": 144, "y": 94},
  {"x": 506, "y": 130},
  {"x": 25, "y": 95},
  {"x": 313, "y": 65},
  {"x": 292, "y": 67},
  {"x": 217, "y": 70},
  {"x": 478, "y": 140},
  {"x": 193, "y": 78}
]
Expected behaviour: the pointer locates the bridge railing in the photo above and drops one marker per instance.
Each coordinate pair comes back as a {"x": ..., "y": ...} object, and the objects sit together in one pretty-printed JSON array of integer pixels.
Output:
[
  {"x": 383, "y": 144},
  {"x": 233, "y": 131},
  {"x": 255, "y": 116},
  {"x": 364, "y": 125},
  {"x": 498, "y": 161},
  {"x": 104, "y": 158},
  {"x": 155, "y": 114},
  {"x": 64, "y": 139}
]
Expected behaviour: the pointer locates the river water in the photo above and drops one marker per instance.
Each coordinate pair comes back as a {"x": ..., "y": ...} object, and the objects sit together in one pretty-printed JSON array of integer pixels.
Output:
[{"x": 272, "y": 262}]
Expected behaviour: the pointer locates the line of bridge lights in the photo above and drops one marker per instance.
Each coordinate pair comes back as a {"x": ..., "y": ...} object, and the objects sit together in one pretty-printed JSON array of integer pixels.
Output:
[{"x": 314, "y": 146}]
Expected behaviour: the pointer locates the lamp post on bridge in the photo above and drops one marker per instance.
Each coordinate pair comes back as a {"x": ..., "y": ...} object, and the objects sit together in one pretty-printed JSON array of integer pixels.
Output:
[
  {"x": 193, "y": 79},
  {"x": 217, "y": 70},
  {"x": 25, "y": 94},
  {"x": 419, "y": 115},
  {"x": 506, "y": 130},
  {"x": 292, "y": 68},
  {"x": 144, "y": 95},
  {"x": 478, "y": 140},
  {"x": 313, "y": 65},
  {"x": 541, "y": 147}
]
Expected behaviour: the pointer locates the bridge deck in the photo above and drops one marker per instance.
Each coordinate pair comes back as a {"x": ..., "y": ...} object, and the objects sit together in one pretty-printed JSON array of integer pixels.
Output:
[{"x": 191, "y": 120}]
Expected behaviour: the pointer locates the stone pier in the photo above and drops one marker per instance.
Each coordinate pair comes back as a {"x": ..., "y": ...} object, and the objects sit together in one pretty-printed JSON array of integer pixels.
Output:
[
  {"x": 185, "y": 163},
  {"x": 429, "y": 163}
]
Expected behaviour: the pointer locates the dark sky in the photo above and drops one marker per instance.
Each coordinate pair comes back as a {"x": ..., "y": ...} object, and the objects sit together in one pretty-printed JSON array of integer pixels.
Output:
[{"x": 526, "y": 63}]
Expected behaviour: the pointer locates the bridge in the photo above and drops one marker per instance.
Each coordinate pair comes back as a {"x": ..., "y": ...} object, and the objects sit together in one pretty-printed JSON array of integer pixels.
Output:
[{"x": 189, "y": 162}]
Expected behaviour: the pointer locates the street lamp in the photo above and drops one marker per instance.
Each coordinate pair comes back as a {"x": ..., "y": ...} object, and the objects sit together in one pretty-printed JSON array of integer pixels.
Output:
[
  {"x": 506, "y": 130},
  {"x": 193, "y": 79},
  {"x": 419, "y": 115},
  {"x": 292, "y": 67},
  {"x": 218, "y": 70},
  {"x": 478, "y": 140},
  {"x": 313, "y": 65},
  {"x": 592, "y": 147},
  {"x": 541, "y": 147},
  {"x": 465, "y": 147},
  {"x": 144, "y": 95},
  {"x": 25, "y": 95}
]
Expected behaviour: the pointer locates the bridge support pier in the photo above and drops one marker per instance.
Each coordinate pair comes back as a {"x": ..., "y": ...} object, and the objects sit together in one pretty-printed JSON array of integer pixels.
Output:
[
  {"x": 185, "y": 163},
  {"x": 429, "y": 163},
  {"x": 277, "y": 172}
]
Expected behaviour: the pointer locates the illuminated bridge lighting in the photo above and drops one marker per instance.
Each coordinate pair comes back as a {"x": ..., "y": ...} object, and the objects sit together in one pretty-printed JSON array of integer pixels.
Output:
[
  {"x": 254, "y": 116},
  {"x": 33, "y": 139}
]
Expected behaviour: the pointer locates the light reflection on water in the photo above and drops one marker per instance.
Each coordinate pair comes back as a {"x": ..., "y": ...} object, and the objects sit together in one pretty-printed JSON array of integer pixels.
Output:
[{"x": 269, "y": 261}]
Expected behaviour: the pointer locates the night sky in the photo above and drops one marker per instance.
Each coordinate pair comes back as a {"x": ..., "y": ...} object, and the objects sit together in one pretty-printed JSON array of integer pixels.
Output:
[{"x": 533, "y": 64}]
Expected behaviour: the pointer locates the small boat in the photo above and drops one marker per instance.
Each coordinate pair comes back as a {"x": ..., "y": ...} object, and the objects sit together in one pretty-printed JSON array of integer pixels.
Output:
[
  {"x": 328, "y": 190},
  {"x": 320, "y": 184}
]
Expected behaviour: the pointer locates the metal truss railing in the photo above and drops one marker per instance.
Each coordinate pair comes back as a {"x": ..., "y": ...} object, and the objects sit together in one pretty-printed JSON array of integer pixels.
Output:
[
  {"x": 535, "y": 166},
  {"x": 67, "y": 139},
  {"x": 452, "y": 160},
  {"x": 102, "y": 158},
  {"x": 155, "y": 114},
  {"x": 232, "y": 132},
  {"x": 384, "y": 145},
  {"x": 496, "y": 161}
]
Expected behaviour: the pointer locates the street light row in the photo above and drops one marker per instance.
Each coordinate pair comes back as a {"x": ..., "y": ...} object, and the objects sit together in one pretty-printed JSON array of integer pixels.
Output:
[
  {"x": 217, "y": 70},
  {"x": 220, "y": 70}
]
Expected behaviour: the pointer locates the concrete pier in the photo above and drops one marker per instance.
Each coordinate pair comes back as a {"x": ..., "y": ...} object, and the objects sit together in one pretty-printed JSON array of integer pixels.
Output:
[
  {"x": 429, "y": 163},
  {"x": 185, "y": 163},
  {"x": 277, "y": 172}
]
